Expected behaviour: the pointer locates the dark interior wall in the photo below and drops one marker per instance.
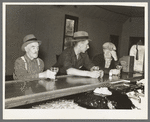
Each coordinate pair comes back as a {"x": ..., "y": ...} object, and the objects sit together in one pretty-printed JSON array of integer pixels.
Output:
[
  {"x": 47, "y": 24},
  {"x": 19, "y": 22},
  {"x": 133, "y": 27},
  {"x": 99, "y": 31}
]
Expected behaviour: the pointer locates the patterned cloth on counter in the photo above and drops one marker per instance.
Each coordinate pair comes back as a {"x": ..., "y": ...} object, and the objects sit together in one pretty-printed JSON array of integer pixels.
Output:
[
  {"x": 59, "y": 104},
  {"x": 137, "y": 100}
]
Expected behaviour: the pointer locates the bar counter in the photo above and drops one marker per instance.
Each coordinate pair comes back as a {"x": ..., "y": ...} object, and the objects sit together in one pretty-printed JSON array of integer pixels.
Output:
[{"x": 19, "y": 92}]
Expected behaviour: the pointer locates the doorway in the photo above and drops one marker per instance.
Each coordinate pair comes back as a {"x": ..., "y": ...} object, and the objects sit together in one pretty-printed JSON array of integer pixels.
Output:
[
  {"x": 134, "y": 41},
  {"x": 115, "y": 40}
]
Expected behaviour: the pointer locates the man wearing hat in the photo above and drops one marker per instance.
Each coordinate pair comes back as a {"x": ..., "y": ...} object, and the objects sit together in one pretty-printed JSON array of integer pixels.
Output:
[
  {"x": 72, "y": 59},
  {"x": 30, "y": 66},
  {"x": 108, "y": 59}
]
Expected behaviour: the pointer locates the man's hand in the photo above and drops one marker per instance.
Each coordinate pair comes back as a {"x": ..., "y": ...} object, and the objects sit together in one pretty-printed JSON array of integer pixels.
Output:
[
  {"x": 50, "y": 74},
  {"x": 94, "y": 74},
  {"x": 95, "y": 68},
  {"x": 47, "y": 74},
  {"x": 119, "y": 67},
  {"x": 114, "y": 72},
  {"x": 114, "y": 55}
]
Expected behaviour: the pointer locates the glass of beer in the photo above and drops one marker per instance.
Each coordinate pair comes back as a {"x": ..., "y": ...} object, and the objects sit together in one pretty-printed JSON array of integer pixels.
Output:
[{"x": 54, "y": 69}]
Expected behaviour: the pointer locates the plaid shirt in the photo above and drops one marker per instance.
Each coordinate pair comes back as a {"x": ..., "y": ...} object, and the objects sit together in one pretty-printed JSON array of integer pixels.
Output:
[{"x": 31, "y": 71}]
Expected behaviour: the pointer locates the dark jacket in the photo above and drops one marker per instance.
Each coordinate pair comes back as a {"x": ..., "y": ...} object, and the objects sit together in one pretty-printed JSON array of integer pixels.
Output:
[
  {"x": 99, "y": 60},
  {"x": 68, "y": 59}
]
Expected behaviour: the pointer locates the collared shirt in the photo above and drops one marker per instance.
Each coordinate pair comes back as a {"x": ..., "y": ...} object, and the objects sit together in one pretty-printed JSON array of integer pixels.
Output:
[
  {"x": 31, "y": 71},
  {"x": 68, "y": 59}
]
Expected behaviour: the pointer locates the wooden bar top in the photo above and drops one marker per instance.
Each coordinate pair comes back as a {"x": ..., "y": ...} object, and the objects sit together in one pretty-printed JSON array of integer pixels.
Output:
[{"x": 20, "y": 92}]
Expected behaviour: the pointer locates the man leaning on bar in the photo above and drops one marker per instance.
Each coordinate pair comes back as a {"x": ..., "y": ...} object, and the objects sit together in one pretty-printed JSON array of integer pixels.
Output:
[
  {"x": 30, "y": 66},
  {"x": 74, "y": 58}
]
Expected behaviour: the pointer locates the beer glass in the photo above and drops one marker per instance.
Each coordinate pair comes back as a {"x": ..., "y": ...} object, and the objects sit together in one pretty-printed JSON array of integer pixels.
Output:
[{"x": 54, "y": 69}]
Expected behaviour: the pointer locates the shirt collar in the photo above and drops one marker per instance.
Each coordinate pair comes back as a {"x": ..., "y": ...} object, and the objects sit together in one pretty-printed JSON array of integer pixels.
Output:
[
  {"x": 80, "y": 54},
  {"x": 28, "y": 59},
  {"x": 73, "y": 52}
]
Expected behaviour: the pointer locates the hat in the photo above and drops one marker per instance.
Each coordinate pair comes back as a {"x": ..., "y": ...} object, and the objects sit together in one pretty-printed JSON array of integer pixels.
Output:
[
  {"x": 29, "y": 39},
  {"x": 109, "y": 45},
  {"x": 80, "y": 36}
]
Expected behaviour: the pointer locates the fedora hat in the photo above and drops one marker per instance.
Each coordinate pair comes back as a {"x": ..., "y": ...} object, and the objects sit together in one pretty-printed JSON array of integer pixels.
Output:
[
  {"x": 80, "y": 36},
  {"x": 29, "y": 39}
]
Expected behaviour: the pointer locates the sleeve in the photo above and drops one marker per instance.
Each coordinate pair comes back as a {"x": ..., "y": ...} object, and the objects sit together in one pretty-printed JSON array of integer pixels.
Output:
[
  {"x": 64, "y": 63},
  {"x": 67, "y": 63},
  {"x": 114, "y": 64},
  {"x": 98, "y": 60},
  {"x": 87, "y": 62},
  {"x": 133, "y": 51},
  {"x": 20, "y": 71},
  {"x": 41, "y": 65}
]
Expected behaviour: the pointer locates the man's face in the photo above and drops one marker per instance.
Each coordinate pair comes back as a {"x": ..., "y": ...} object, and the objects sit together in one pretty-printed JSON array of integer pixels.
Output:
[
  {"x": 84, "y": 46},
  {"x": 109, "y": 54},
  {"x": 32, "y": 50}
]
